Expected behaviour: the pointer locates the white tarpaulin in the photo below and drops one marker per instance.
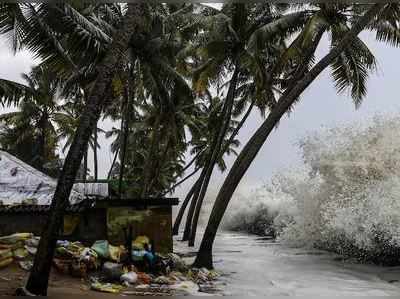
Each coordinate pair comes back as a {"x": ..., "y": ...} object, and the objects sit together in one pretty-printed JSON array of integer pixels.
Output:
[{"x": 20, "y": 182}]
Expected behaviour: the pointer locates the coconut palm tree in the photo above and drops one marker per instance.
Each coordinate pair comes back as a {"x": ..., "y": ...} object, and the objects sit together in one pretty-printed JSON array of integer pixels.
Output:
[
  {"x": 225, "y": 48},
  {"x": 37, "y": 119},
  {"x": 50, "y": 31},
  {"x": 67, "y": 122},
  {"x": 347, "y": 53}
]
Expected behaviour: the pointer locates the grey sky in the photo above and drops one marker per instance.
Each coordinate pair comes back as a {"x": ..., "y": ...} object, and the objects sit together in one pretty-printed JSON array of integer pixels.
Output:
[{"x": 320, "y": 106}]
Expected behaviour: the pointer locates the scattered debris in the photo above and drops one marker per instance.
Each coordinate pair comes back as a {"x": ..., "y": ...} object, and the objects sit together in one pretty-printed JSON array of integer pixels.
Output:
[
  {"x": 112, "y": 271},
  {"x": 106, "y": 267},
  {"x": 130, "y": 277},
  {"x": 106, "y": 287}
]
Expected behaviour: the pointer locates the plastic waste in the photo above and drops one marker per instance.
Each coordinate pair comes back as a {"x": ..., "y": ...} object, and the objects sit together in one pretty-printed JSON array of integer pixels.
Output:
[
  {"x": 15, "y": 238},
  {"x": 138, "y": 255},
  {"x": 62, "y": 243},
  {"x": 26, "y": 265},
  {"x": 162, "y": 280},
  {"x": 90, "y": 258},
  {"x": 115, "y": 252},
  {"x": 185, "y": 288},
  {"x": 130, "y": 277},
  {"x": 139, "y": 242},
  {"x": 31, "y": 250},
  {"x": 106, "y": 287},
  {"x": 112, "y": 271},
  {"x": 33, "y": 242},
  {"x": 20, "y": 253},
  {"x": 101, "y": 248},
  {"x": 177, "y": 263},
  {"x": 143, "y": 278},
  {"x": 177, "y": 276}
]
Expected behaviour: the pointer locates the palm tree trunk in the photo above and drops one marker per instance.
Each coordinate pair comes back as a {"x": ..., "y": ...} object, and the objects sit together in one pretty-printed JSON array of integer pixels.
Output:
[
  {"x": 133, "y": 22},
  {"x": 125, "y": 132},
  {"x": 196, "y": 170},
  {"x": 179, "y": 217},
  {"x": 183, "y": 170},
  {"x": 185, "y": 203},
  {"x": 249, "y": 152},
  {"x": 95, "y": 161},
  {"x": 192, "y": 161},
  {"x": 149, "y": 165},
  {"x": 85, "y": 163},
  {"x": 226, "y": 118},
  {"x": 238, "y": 127},
  {"x": 192, "y": 207},
  {"x": 159, "y": 165},
  {"x": 42, "y": 144},
  {"x": 113, "y": 163}
]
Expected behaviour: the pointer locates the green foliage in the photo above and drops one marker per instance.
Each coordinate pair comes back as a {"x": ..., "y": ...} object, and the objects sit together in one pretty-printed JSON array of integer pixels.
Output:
[{"x": 170, "y": 87}]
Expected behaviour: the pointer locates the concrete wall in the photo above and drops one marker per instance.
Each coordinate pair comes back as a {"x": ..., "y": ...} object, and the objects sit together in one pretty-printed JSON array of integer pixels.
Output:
[
  {"x": 91, "y": 225},
  {"x": 154, "y": 222},
  {"x": 22, "y": 223},
  {"x": 103, "y": 224}
]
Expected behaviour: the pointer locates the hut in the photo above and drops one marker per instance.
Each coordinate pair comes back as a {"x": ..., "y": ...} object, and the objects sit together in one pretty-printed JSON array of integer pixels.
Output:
[{"x": 93, "y": 212}]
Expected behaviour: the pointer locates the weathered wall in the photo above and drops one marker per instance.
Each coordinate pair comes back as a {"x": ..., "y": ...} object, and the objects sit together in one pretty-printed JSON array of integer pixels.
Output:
[
  {"x": 101, "y": 224},
  {"x": 153, "y": 222},
  {"x": 91, "y": 225},
  {"x": 22, "y": 223}
]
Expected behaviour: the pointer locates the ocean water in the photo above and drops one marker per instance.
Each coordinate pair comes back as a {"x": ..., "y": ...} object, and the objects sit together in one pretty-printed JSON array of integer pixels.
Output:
[
  {"x": 344, "y": 198},
  {"x": 252, "y": 266}
]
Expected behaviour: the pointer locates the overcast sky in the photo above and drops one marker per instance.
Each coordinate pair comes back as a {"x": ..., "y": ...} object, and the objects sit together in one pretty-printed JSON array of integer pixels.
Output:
[{"x": 320, "y": 106}]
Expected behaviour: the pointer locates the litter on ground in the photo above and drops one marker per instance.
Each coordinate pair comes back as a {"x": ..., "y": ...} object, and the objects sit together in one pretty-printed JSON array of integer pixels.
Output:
[{"x": 107, "y": 268}]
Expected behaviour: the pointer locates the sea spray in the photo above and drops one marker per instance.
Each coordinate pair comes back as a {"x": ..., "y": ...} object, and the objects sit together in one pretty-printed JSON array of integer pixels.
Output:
[{"x": 344, "y": 198}]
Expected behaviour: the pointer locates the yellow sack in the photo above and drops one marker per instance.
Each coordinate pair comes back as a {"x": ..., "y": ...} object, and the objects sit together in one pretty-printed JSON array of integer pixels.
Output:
[
  {"x": 140, "y": 241},
  {"x": 6, "y": 262},
  {"x": 15, "y": 238},
  {"x": 5, "y": 254},
  {"x": 115, "y": 252}
]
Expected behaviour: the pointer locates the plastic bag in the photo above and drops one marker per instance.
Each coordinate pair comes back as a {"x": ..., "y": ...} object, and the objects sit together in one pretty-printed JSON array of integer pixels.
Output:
[
  {"x": 33, "y": 242},
  {"x": 31, "y": 250},
  {"x": 130, "y": 277},
  {"x": 101, "y": 248},
  {"x": 138, "y": 255},
  {"x": 139, "y": 242},
  {"x": 115, "y": 252},
  {"x": 26, "y": 265}
]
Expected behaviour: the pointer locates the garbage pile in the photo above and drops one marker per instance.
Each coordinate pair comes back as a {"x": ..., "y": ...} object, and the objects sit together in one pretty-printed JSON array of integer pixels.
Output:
[
  {"x": 19, "y": 247},
  {"x": 109, "y": 268}
]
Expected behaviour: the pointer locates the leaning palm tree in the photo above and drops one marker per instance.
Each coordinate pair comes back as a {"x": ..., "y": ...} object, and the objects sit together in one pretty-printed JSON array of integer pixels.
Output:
[
  {"x": 225, "y": 48},
  {"x": 347, "y": 73},
  {"x": 51, "y": 31},
  {"x": 67, "y": 122}
]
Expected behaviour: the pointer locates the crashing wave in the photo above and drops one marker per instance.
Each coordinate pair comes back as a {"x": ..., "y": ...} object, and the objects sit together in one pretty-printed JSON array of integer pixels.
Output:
[{"x": 345, "y": 198}]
